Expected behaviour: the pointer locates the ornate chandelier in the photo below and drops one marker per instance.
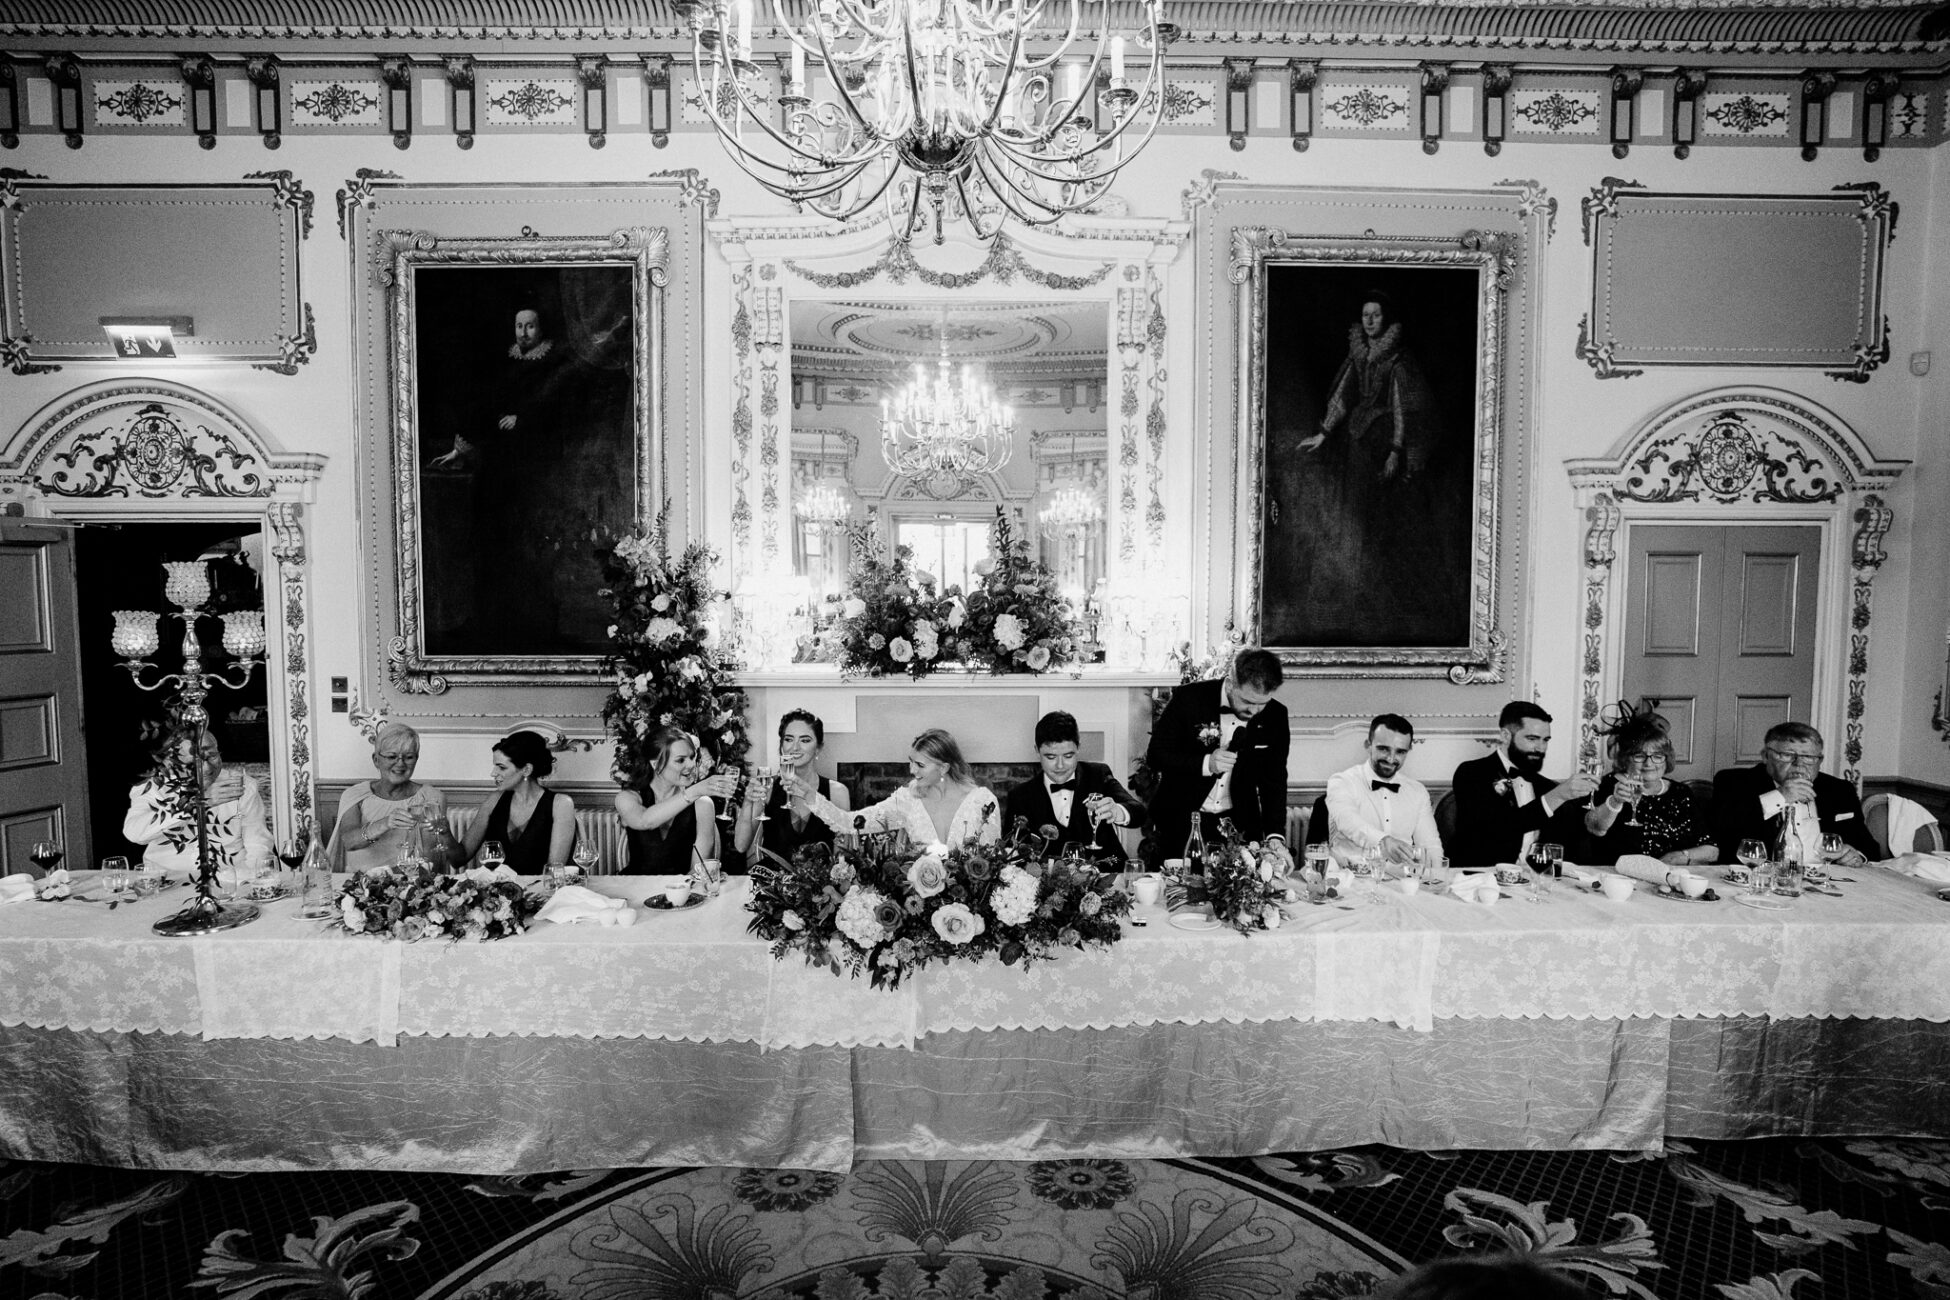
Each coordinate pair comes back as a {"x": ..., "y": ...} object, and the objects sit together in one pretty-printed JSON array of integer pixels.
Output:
[
  {"x": 820, "y": 503},
  {"x": 931, "y": 101},
  {"x": 1070, "y": 509},
  {"x": 943, "y": 433}
]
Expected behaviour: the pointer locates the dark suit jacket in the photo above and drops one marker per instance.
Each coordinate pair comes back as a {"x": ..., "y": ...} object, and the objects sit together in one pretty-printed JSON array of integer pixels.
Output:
[
  {"x": 1030, "y": 800},
  {"x": 1258, "y": 780},
  {"x": 1736, "y": 814},
  {"x": 1489, "y": 826}
]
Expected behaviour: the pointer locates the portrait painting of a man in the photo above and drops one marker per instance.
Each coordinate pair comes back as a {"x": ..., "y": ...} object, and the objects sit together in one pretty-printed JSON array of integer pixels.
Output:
[
  {"x": 527, "y": 452},
  {"x": 1370, "y": 448}
]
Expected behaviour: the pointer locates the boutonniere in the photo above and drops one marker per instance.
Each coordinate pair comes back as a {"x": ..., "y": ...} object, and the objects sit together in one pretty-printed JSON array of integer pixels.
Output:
[
  {"x": 1504, "y": 788},
  {"x": 1208, "y": 735}
]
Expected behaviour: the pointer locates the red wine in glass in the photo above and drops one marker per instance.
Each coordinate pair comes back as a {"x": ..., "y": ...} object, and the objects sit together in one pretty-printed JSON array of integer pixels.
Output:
[
  {"x": 291, "y": 851},
  {"x": 45, "y": 854}
]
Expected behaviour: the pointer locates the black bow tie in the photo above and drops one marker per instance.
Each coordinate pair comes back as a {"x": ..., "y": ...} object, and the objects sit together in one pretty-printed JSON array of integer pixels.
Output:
[
  {"x": 1227, "y": 710},
  {"x": 1054, "y": 786},
  {"x": 1394, "y": 786}
]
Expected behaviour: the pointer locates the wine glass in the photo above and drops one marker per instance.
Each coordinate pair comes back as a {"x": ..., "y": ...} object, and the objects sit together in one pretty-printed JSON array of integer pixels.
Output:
[
  {"x": 1539, "y": 862},
  {"x": 1832, "y": 847},
  {"x": 46, "y": 854},
  {"x": 584, "y": 857},
  {"x": 493, "y": 854}
]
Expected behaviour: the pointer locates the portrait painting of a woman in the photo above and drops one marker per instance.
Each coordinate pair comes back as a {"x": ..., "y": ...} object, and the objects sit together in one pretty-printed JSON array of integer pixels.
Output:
[{"x": 1370, "y": 444}]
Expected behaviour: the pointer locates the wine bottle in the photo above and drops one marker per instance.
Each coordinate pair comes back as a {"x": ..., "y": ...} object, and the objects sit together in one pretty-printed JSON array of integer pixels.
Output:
[{"x": 1195, "y": 848}]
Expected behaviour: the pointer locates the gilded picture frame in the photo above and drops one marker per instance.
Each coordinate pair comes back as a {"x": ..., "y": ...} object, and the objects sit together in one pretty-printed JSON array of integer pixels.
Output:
[
  {"x": 526, "y": 378},
  {"x": 1371, "y": 452}
]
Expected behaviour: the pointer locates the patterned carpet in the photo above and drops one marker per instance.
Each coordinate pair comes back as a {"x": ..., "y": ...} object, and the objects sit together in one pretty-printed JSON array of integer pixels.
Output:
[{"x": 1765, "y": 1220}]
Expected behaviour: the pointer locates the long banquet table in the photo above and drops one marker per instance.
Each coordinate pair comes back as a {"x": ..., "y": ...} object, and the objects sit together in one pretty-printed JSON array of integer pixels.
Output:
[{"x": 1421, "y": 1022}]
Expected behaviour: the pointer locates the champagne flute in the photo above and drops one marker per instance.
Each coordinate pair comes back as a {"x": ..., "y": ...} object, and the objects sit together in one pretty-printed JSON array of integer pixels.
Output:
[
  {"x": 764, "y": 776},
  {"x": 726, "y": 804}
]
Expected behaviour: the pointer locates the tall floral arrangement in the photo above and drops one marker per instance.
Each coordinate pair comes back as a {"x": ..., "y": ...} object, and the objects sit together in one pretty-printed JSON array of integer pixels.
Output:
[
  {"x": 891, "y": 619},
  {"x": 1019, "y": 622},
  {"x": 885, "y": 908},
  {"x": 670, "y": 663},
  {"x": 1242, "y": 883}
]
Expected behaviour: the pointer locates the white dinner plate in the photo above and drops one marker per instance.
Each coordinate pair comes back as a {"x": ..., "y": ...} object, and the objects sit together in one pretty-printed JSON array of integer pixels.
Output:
[{"x": 1196, "y": 919}]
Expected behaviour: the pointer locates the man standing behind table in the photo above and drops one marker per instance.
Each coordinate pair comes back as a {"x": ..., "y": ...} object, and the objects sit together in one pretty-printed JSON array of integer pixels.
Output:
[
  {"x": 1220, "y": 750},
  {"x": 1373, "y": 805},
  {"x": 1786, "y": 800},
  {"x": 1069, "y": 790},
  {"x": 1503, "y": 799}
]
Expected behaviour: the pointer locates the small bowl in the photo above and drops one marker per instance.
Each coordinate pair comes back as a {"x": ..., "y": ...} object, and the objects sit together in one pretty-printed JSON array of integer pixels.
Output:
[
  {"x": 1407, "y": 885},
  {"x": 1617, "y": 888}
]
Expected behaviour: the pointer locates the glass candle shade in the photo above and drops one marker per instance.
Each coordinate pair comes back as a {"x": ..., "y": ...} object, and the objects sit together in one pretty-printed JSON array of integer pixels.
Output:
[
  {"x": 243, "y": 633},
  {"x": 188, "y": 583},
  {"x": 135, "y": 635}
]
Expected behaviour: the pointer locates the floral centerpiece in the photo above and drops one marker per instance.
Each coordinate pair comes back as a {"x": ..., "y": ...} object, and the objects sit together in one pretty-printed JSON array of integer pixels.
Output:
[
  {"x": 1242, "y": 884},
  {"x": 412, "y": 902},
  {"x": 887, "y": 908},
  {"x": 891, "y": 619},
  {"x": 1019, "y": 622},
  {"x": 670, "y": 664}
]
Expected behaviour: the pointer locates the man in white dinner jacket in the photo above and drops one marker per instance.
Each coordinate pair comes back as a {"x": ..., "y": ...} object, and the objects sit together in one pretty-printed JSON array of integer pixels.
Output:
[{"x": 1373, "y": 804}]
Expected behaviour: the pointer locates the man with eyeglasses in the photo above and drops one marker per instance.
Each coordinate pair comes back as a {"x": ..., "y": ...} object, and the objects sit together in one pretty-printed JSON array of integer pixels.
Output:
[{"x": 1788, "y": 801}]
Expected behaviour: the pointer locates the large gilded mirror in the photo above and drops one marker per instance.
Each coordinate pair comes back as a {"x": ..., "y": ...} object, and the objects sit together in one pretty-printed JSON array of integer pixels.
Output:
[{"x": 920, "y": 418}]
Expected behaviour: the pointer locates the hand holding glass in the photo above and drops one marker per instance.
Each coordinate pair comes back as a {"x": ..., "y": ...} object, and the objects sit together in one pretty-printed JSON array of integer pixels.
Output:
[{"x": 762, "y": 778}]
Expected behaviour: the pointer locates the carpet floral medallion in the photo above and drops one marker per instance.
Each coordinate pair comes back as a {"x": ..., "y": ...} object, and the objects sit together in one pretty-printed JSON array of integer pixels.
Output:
[
  {"x": 1771, "y": 1219},
  {"x": 1087, "y": 1229}
]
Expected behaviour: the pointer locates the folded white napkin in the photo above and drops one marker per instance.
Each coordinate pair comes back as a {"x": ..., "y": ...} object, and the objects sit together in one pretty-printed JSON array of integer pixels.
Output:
[
  {"x": 17, "y": 888},
  {"x": 483, "y": 876},
  {"x": 573, "y": 903},
  {"x": 1640, "y": 866},
  {"x": 1474, "y": 887},
  {"x": 1582, "y": 875},
  {"x": 1926, "y": 867}
]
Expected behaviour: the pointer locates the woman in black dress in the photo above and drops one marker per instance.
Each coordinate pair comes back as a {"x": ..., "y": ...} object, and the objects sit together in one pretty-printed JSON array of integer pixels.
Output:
[
  {"x": 1666, "y": 821},
  {"x": 789, "y": 822},
  {"x": 534, "y": 825},
  {"x": 670, "y": 822}
]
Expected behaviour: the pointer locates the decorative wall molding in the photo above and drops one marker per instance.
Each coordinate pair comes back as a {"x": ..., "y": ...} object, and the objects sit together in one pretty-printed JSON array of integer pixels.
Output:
[
  {"x": 152, "y": 451},
  {"x": 1730, "y": 455},
  {"x": 1649, "y": 308}
]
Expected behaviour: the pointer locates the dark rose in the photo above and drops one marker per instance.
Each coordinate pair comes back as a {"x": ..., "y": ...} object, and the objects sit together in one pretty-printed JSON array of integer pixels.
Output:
[
  {"x": 888, "y": 913},
  {"x": 1011, "y": 953},
  {"x": 978, "y": 868}
]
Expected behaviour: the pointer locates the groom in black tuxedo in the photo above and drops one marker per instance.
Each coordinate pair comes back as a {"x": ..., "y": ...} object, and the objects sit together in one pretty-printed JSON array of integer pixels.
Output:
[
  {"x": 1222, "y": 742},
  {"x": 1063, "y": 794}
]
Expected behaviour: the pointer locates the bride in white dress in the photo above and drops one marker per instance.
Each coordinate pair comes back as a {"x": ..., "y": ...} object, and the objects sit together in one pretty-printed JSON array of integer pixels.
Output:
[{"x": 940, "y": 804}]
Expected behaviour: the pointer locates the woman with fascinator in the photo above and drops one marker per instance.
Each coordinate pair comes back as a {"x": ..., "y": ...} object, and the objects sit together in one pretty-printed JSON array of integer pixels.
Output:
[
  {"x": 376, "y": 816},
  {"x": 1664, "y": 820}
]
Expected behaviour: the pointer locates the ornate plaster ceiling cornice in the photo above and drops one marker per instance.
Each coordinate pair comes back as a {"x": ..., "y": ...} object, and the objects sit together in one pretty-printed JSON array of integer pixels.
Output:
[{"x": 1864, "y": 32}]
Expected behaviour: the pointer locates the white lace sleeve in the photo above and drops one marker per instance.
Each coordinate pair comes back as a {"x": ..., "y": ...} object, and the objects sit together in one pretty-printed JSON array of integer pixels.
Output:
[{"x": 979, "y": 818}]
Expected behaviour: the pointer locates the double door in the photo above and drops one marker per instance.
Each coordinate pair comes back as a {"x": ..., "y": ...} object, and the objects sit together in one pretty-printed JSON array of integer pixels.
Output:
[{"x": 1720, "y": 629}]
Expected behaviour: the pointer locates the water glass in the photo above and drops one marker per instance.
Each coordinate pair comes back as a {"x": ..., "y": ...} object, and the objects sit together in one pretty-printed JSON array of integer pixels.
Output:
[
  {"x": 1789, "y": 876},
  {"x": 1760, "y": 879},
  {"x": 115, "y": 876}
]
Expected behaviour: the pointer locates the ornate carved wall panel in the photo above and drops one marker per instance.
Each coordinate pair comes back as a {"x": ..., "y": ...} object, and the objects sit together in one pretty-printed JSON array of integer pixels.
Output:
[
  {"x": 1736, "y": 279},
  {"x": 1733, "y": 455},
  {"x": 225, "y": 256},
  {"x": 153, "y": 451}
]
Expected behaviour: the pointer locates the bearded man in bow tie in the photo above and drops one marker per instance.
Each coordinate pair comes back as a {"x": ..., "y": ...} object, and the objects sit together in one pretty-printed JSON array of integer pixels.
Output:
[
  {"x": 1373, "y": 806},
  {"x": 1504, "y": 802},
  {"x": 1083, "y": 800},
  {"x": 1220, "y": 750}
]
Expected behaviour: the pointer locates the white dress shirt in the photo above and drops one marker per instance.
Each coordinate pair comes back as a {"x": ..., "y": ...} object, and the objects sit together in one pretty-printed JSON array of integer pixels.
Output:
[
  {"x": 1061, "y": 802},
  {"x": 238, "y": 831},
  {"x": 1360, "y": 816}
]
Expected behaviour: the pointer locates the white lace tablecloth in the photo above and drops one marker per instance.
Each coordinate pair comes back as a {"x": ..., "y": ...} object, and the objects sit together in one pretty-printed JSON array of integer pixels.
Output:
[{"x": 1882, "y": 951}]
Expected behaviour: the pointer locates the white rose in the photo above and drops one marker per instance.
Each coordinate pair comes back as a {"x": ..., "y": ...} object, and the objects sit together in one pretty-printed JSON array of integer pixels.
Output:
[
  {"x": 660, "y": 602},
  {"x": 792, "y": 920},
  {"x": 899, "y": 650},
  {"x": 1008, "y": 631},
  {"x": 853, "y": 607},
  {"x": 955, "y": 615},
  {"x": 1271, "y": 916},
  {"x": 1039, "y": 658}
]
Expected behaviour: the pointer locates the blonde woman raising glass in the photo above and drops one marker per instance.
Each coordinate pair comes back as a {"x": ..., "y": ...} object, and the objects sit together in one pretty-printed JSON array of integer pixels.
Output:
[
  {"x": 669, "y": 820},
  {"x": 375, "y": 816},
  {"x": 788, "y": 822},
  {"x": 940, "y": 804}
]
